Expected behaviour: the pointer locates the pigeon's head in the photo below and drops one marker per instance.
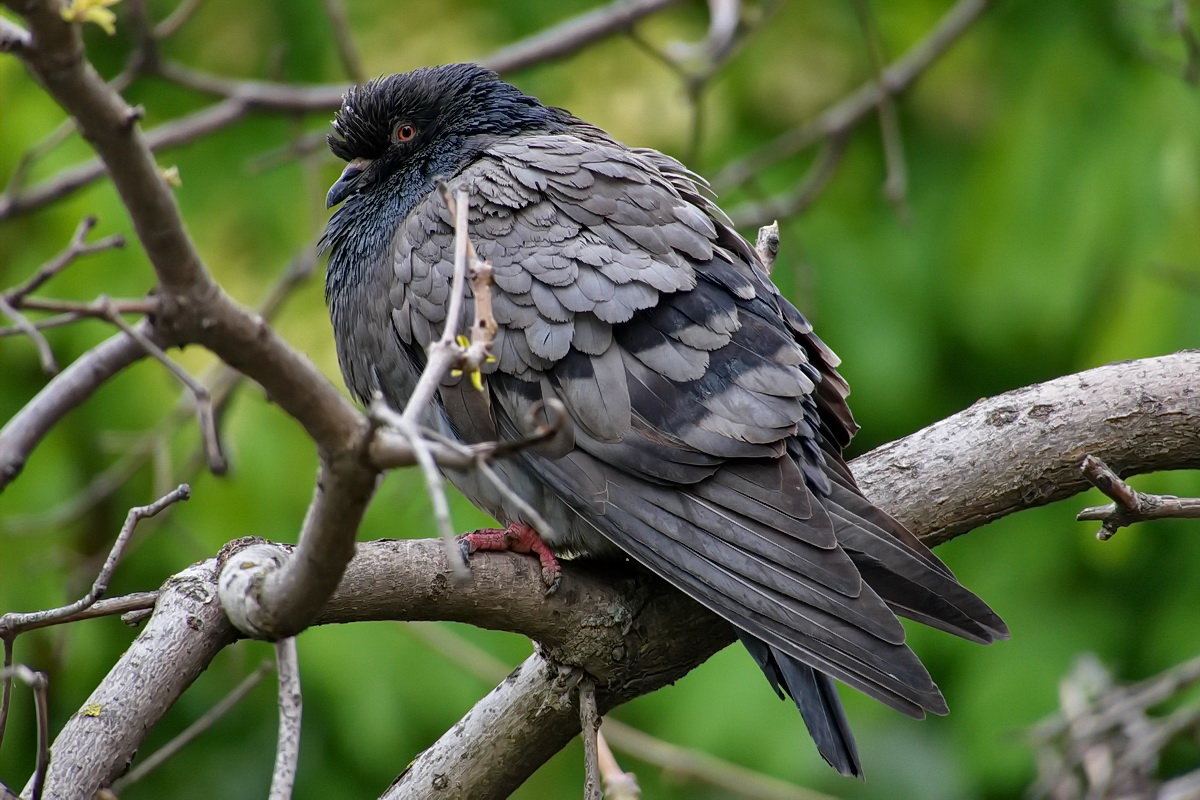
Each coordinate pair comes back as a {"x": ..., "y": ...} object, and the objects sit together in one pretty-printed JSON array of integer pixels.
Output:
[{"x": 426, "y": 123}]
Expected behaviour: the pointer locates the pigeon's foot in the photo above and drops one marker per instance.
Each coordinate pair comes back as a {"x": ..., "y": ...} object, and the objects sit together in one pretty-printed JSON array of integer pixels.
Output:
[{"x": 519, "y": 538}]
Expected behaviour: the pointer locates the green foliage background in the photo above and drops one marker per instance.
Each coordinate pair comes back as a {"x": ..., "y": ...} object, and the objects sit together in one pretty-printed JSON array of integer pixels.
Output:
[{"x": 1055, "y": 225}]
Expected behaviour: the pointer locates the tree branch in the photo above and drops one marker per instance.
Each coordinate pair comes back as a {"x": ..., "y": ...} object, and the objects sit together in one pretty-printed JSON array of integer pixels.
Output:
[
  {"x": 1022, "y": 448},
  {"x": 857, "y": 106},
  {"x": 632, "y": 633},
  {"x": 66, "y": 390}
]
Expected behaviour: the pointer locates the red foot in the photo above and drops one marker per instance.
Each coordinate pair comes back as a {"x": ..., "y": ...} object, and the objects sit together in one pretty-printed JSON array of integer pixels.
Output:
[{"x": 519, "y": 538}]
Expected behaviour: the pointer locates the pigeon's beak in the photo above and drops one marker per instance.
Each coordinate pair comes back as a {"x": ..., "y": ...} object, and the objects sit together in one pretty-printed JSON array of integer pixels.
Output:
[{"x": 346, "y": 183}]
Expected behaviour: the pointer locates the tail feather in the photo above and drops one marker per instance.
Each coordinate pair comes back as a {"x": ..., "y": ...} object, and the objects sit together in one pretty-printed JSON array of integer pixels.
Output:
[{"x": 816, "y": 696}]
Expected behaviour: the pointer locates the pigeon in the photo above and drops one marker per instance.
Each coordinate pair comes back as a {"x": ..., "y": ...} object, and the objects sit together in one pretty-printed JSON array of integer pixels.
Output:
[{"x": 706, "y": 419}]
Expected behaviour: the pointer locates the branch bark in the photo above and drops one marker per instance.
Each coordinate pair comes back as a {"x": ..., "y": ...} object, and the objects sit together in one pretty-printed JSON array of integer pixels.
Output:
[
  {"x": 630, "y": 632},
  {"x": 1022, "y": 448}
]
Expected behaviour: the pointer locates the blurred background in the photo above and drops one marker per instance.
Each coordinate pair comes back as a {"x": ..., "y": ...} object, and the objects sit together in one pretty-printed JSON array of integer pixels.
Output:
[{"x": 1050, "y": 223}]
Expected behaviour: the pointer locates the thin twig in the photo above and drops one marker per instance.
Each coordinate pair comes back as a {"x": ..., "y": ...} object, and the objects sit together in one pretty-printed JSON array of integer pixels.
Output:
[
  {"x": 287, "y": 748},
  {"x": 43, "y": 324},
  {"x": 1130, "y": 505},
  {"x": 434, "y": 487},
  {"x": 849, "y": 112},
  {"x": 37, "y": 682},
  {"x": 1191, "y": 43},
  {"x": 101, "y": 308},
  {"x": 22, "y": 323},
  {"x": 5, "y": 685},
  {"x": 200, "y": 394},
  {"x": 339, "y": 26},
  {"x": 573, "y": 35},
  {"x": 77, "y": 247},
  {"x": 618, "y": 784},
  {"x": 895, "y": 186},
  {"x": 15, "y": 622},
  {"x": 126, "y": 603},
  {"x": 193, "y": 731},
  {"x": 820, "y": 172},
  {"x": 444, "y": 353},
  {"x": 589, "y": 721},
  {"x": 171, "y": 24}
]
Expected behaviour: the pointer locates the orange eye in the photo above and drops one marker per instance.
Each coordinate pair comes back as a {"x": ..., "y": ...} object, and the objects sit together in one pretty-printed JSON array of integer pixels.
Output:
[{"x": 404, "y": 132}]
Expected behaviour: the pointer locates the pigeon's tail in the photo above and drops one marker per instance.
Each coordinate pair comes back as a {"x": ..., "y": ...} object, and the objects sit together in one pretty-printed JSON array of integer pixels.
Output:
[{"x": 816, "y": 696}]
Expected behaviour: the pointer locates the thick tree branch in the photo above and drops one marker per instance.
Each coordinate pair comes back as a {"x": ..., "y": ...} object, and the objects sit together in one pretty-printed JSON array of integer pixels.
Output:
[
  {"x": 1022, "y": 449},
  {"x": 633, "y": 634}
]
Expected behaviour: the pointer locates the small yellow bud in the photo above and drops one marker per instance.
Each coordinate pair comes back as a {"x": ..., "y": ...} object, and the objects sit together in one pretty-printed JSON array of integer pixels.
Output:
[{"x": 95, "y": 11}]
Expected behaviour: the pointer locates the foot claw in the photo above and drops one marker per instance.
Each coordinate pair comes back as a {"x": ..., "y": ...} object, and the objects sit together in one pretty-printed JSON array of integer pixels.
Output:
[{"x": 519, "y": 538}]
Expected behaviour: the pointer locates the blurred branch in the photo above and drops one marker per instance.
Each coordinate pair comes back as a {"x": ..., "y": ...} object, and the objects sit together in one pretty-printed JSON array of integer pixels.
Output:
[
  {"x": 820, "y": 172},
  {"x": 1182, "y": 25},
  {"x": 193, "y": 731},
  {"x": 895, "y": 187},
  {"x": 1105, "y": 745},
  {"x": 243, "y": 97},
  {"x": 1131, "y": 505},
  {"x": 177, "y": 132},
  {"x": 841, "y": 118},
  {"x": 573, "y": 35},
  {"x": 343, "y": 39}
]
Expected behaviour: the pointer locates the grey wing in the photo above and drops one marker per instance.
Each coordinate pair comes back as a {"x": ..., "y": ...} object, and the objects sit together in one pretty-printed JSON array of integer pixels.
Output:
[{"x": 708, "y": 419}]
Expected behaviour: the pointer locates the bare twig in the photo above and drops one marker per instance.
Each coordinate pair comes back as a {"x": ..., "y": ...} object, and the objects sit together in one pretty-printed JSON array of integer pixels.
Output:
[
  {"x": 287, "y": 748},
  {"x": 589, "y": 724},
  {"x": 574, "y": 34},
  {"x": 1105, "y": 742},
  {"x": 14, "y": 623},
  {"x": 1130, "y": 505},
  {"x": 618, "y": 784},
  {"x": 170, "y": 134},
  {"x": 343, "y": 39},
  {"x": 43, "y": 324},
  {"x": 171, "y": 24},
  {"x": 65, "y": 391},
  {"x": 126, "y": 603},
  {"x": 195, "y": 730},
  {"x": 895, "y": 187},
  {"x": 1191, "y": 42},
  {"x": 200, "y": 394},
  {"x": 5, "y": 686},
  {"x": 820, "y": 172},
  {"x": 77, "y": 247},
  {"x": 37, "y": 682},
  {"x": 849, "y": 112},
  {"x": 22, "y": 323},
  {"x": 434, "y": 487}
]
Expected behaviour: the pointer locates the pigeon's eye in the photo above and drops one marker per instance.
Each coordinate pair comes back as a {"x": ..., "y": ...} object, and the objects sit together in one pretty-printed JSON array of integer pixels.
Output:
[{"x": 404, "y": 132}]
